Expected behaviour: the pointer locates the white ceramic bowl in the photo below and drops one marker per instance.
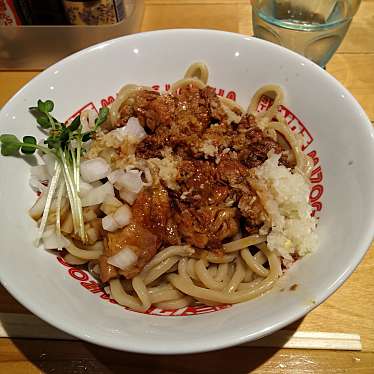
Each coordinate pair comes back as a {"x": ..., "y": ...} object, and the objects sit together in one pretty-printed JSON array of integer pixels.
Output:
[{"x": 343, "y": 141}]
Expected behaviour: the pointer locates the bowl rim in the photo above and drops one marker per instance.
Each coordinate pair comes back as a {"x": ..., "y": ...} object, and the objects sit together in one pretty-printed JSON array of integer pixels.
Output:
[{"x": 239, "y": 337}]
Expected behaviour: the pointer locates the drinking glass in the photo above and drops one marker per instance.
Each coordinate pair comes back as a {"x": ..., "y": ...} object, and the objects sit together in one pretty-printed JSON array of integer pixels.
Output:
[{"x": 313, "y": 28}]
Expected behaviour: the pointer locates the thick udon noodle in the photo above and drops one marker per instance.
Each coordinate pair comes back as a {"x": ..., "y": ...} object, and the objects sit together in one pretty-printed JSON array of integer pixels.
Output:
[{"x": 179, "y": 276}]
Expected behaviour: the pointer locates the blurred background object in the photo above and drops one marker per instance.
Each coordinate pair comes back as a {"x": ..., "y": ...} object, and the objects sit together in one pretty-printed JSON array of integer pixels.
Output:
[
  {"x": 36, "y": 12},
  {"x": 8, "y": 14},
  {"x": 35, "y": 34},
  {"x": 98, "y": 12},
  {"x": 313, "y": 28}
]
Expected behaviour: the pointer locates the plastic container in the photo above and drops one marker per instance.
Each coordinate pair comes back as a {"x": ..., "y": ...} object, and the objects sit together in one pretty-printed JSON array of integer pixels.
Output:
[{"x": 37, "y": 47}]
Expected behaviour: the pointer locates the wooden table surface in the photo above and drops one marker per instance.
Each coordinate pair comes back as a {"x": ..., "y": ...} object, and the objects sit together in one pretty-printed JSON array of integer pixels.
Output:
[{"x": 349, "y": 310}]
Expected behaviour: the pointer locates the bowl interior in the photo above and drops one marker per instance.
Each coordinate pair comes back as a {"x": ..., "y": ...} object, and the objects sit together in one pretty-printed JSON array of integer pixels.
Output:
[{"x": 335, "y": 129}]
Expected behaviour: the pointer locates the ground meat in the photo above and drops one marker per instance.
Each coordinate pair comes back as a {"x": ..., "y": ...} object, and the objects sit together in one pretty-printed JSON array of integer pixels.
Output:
[
  {"x": 199, "y": 184},
  {"x": 256, "y": 153},
  {"x": 252, "y": 210},
  {"x": 248, "y": 122},
  {"x": 152, "y": 211},
  {"x": 216, "y": 112},
  {"x": 150, "y": 147},
  {"x": 253, "y": 145},
  {"x": 178, "y": 121},
  {"x": 235, "y": 174},
  {"x": 231, "y": 171},
  {"x": 153, "y": 111},
  {"x": 140, "y": 107},
  {"x": 207, "y": 227}
]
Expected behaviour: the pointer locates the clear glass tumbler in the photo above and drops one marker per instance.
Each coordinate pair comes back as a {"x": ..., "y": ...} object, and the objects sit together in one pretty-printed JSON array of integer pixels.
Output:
[{"x": 313, "y": 28}]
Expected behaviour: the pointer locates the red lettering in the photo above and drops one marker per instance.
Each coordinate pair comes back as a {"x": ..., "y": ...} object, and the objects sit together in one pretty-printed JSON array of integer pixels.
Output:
[
  {"x": 313, "y": 155},
  {"x": 309, "y": 140},
  {"x": 92, "y": 286},
  {"x": 106, "y": 102},
  {"x": 316, "y": 176},
  {"x": 78, "y": 274},
  {"x": 316, "y": 193},
  {"x": 167, "y": 87},
  {"x": 264, "y": 103},
  {"x": 288, "y": 116},
  {"x": 160, "y": 312},
  {"x": 231, "y": 95},
  {"x": 315, "y": 171},
  {"x": 220, "y": 92},
  {"x": 156, "y": 87},
  {"x": 63, "y": 262}
]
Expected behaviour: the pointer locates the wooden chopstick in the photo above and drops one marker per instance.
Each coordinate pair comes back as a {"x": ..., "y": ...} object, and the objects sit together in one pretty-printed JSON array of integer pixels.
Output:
[
  {"x": 14, "y": 325},
  {"x": 310, "y": 340}
]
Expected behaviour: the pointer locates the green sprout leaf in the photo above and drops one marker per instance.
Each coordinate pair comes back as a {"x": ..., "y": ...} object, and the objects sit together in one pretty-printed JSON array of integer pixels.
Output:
[
  {"x": 75, "y": 124},
  {"x": 101, "y": 118},
  {"x": 52, "y": 142},
  {"x": 41, "y": 106},
  {"x": 43, "y": 121},
  {"x": 41, "y": 117},
  {"x": 45, "y": 106},
  {"x": 48, "y": 105},
  {"x": 10, "y": 145},
  {"x": 64, "y": 138},
  {"x": 28, "y": 147},
  {"x": 86, "y": 136}
]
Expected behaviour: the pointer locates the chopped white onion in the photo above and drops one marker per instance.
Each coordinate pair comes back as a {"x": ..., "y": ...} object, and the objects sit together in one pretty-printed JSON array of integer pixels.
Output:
[
  {"x": 112, "y": 200},
  {"x": 133, "y": 130},
  {"x": 52, "y": 241},
  {"x": 97, "y": 195},
  {"x": 84, "y": 187},
  {"x": 115, "y": 175},
  {"x": 123, "y": 259},
  {"x": 94, "y": 170},
  {"x": 123, "y": 216},
  {"x": 131, "y": 180},
  {"x": 127, "y": 196},
  {"x": 109, "y": 223}
]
